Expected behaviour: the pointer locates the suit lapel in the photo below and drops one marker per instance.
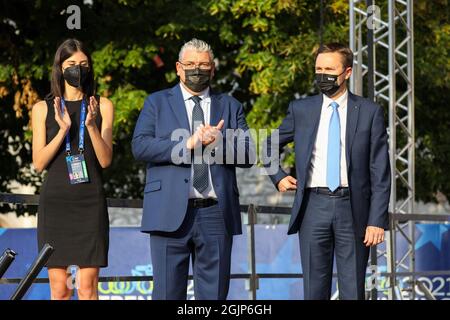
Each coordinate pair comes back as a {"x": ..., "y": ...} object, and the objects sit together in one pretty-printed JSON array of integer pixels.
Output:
[
  {"x": 352, "y": 122},
  {"x": 215, "y": 115},
  {"x": 316, "y": 111},
  {"x": 178, "y": 106},
  {"x": 216, "y": 109}
]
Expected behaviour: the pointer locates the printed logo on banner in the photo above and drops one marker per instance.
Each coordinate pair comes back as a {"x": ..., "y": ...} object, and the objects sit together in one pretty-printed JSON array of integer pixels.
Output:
[{"x": 137, "y": 290}]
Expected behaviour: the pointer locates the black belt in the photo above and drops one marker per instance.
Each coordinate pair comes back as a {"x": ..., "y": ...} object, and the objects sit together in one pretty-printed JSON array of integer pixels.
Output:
[
  {"x": 201, "y": 203},
  {"x": 339, "y": 192}
]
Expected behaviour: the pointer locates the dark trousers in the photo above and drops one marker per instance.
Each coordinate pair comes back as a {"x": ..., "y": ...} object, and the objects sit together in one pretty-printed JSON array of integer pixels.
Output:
[
  {"x": 327, "y": 229},
  {"x": 203, "y": 237}
]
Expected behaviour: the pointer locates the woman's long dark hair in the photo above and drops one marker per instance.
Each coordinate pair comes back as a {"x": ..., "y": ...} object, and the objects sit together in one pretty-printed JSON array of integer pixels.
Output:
[{"x": 65, "y": 50}]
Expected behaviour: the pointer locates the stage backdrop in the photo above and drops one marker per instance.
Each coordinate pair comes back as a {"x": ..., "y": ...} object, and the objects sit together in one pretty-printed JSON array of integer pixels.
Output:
[{"x": 129, "y": 255}]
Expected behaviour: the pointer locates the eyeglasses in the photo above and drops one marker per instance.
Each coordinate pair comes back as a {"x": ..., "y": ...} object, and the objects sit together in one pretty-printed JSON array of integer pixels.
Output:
[{"x": 192, "y": 65}]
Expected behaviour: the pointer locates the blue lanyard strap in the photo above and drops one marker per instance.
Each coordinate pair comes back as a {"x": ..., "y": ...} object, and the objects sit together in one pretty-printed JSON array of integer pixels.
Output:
[{"x": 82, "y": 126}]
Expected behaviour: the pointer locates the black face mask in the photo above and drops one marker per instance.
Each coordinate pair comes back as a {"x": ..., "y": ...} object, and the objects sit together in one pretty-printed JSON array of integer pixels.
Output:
[
  {"x": 327, "y": 83},
  {"x": 197, "y": 80},
  {"x": 76, "y": 75}
]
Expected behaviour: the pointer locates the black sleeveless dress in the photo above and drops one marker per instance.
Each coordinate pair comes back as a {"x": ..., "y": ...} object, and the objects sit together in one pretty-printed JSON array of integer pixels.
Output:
[{"x": 73, "y": 218}]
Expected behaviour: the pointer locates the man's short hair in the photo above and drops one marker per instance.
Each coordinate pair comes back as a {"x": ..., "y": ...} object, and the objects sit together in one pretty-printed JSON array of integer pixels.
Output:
[
  {"x": 197, "y": 45},
  {"x": 345, "y": 52}
]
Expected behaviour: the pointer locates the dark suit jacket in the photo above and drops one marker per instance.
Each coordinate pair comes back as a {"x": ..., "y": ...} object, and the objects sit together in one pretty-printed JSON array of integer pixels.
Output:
[
  {"x": 166, "y": 190},
  {"x": 368, "y": 167}
]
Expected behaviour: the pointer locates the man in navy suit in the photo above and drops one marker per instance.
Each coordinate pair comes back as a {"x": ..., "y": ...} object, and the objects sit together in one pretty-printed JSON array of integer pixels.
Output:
[
  {"x": 191, "y": 204},
  {"x": 343, "y": 178}
]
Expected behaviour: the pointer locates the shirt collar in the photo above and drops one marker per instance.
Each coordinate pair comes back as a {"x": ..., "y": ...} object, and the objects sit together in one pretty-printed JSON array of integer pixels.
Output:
[
  {"x": 186, "y": 95},
  {"x": 340, "y": 101}
]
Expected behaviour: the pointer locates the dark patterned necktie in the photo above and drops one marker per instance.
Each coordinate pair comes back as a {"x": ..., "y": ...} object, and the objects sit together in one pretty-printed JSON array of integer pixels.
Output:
[{"x": 200, "y": 170}]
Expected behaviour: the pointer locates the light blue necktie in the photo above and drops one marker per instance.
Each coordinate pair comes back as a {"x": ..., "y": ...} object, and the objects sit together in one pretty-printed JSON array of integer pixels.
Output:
[{"x": 334, "y": 149}]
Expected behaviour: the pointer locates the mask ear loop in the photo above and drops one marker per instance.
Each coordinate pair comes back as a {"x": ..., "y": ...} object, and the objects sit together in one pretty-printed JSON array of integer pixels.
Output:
[
  {"x": 79, "y": 75},
  {"x": 345, "y": 69}
]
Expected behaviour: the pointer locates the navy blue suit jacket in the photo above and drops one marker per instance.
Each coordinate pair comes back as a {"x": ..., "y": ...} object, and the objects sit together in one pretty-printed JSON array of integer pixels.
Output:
[
  {"x": 368, "y": 167},
  {"x": 166, "y": 191}
]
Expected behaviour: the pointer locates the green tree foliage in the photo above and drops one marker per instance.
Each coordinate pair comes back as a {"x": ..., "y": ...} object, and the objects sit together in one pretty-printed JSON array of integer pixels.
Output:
[
  {"x": 264, "y": 50},
  {"x": 432, "y": 96}
]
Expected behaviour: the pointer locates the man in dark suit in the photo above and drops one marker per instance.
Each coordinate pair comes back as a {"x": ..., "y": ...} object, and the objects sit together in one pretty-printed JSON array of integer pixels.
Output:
[
  {"x": 191, "y": 205},
  {"x": 343, "y": 178}
]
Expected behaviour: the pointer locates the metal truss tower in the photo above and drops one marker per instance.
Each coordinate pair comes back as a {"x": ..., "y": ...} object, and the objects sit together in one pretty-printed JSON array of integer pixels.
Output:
[{"x": 382, "y": 39}]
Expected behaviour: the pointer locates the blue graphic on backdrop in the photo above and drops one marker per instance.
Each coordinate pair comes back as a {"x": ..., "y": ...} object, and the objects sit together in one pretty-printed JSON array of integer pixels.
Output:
[{"x": 431, "y": 233}]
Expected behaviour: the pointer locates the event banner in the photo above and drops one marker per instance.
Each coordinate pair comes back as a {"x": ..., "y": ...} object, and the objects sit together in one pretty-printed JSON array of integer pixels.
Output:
[{"x": 276, "y": 253}]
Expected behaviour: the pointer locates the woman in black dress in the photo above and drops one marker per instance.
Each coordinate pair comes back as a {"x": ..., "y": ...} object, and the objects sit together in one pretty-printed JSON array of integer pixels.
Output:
[{"x": 72, "y": 215}]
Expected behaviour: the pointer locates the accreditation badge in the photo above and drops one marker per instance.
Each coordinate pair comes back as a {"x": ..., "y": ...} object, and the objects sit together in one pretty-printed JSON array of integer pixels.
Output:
[{"x": 77, "y": 169}]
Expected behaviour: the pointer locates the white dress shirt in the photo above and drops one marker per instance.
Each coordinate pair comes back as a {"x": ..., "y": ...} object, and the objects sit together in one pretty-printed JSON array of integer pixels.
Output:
[
  {"x": 205, "y": 104},
  {"x": 318, "y": 168}
]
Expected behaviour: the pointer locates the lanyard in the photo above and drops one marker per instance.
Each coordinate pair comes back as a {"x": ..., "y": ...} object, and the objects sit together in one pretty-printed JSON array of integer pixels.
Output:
[{"x": 82, "y": 125}]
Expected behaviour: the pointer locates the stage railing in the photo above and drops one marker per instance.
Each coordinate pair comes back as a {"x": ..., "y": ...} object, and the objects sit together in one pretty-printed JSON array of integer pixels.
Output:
[{"x": 250, "y": 219}]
